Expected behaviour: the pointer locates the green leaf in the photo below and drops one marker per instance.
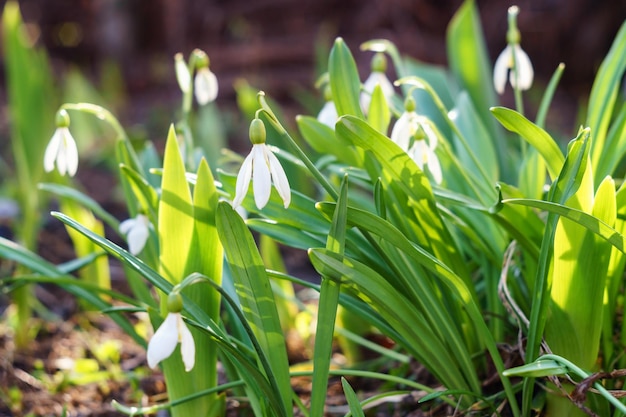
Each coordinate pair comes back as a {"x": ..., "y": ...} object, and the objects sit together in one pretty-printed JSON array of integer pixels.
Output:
[
  {"x": 327, "y": 311},
  {"x": 469, "y": 62},
  {"x": 399, "y": 170},
  {"x": 353, "y": 401},
  {"x": 256, "y": 296},
  {"x": 471, "y": 126},
  {"x": 534, "y": 135},
  {"x": 378, "y": 115},
  {"x": 345, "y": 83},
  {"x": 83, "y": 199},
  {"x": 602, "y": 99},
  {"x": 176, "y": 221},
  {"x": 538, "y": 369}
]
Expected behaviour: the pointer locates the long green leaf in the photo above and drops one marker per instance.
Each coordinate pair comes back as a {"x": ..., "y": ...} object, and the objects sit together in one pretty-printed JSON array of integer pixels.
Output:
[
  {"x": 256, "y": 296},
  {"x": 327, "y": 311},
  {"x": 469, "y": 62},
  {"x": 345, "y": 83},
  {"x": 534, "y": 135},
  {"x": 603, "y": 96}
]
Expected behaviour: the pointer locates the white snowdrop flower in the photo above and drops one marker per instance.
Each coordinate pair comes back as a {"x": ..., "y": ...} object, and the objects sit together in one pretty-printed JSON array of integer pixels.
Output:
[
  {"x": 423, "y": 152},
  {"x": 172, "y": 331},
  {"x": 137, "y": 232},
  {"x": 504, "y": 66},
  {"x": 406, "y": 126},
  {"x": 377, "y": 77},
  {"x": 61, "y": 149},
  {"x": 205, "y": 86},
  {"x": 513, "y": 55},
  {"x": 262, "y": 166}
]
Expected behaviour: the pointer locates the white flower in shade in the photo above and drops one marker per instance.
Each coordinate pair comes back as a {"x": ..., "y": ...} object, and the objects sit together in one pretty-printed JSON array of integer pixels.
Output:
[
  {"x": 504, "y": 67},
  {"x": 377, "y": 77},
  {"x": 262, "y": 166},
  {"x": 61, "y": 149},
  {"x": 405, "y": 128},
  {"x": 164, "y": 341},
  {"x": 328, "y": 115},
  {"x": 205, "y": 86},
  {"x": 137, "y": 232},
  {"x": 423, "y": 153}
]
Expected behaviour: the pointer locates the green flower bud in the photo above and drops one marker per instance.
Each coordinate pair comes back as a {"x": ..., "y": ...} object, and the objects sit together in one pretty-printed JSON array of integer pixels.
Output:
[
  {"x": 257, "y": 132},
  {"x": 379, "y": 62},
  {"x": 201, "y": 58},
  {"x": 328, "y": 93},
  {"x": 409, "y": 104},
  {"x": 62, "y": 118},
  {"x": 174, "y": 302}
]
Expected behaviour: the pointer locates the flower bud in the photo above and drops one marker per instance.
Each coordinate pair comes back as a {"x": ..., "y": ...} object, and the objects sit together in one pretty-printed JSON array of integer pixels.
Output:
[
  {"x": 409, "y": 104},
  {"x": 62, "y": 119},
  {"x": 379, "y": 62},
  {"x": 257, "y": 132},
  {"x": 174, "y": 302}
]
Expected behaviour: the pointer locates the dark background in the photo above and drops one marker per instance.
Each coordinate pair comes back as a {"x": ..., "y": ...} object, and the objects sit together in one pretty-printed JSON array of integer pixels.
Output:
[{"x": 273, "y": 43}]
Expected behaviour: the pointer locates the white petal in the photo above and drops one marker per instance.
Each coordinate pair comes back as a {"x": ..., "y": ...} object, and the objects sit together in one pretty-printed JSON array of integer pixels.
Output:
[
  {"x": 71, "y": 153},
  {"x": 524, "y": 69},
  {"x": 52, "y": 150},
  {"x": 418, "y": 153},
  {"x": 243, "y": 180},
  {"x": 279, "y": 178},
  {"x": 430, "y": 134},
  {"x": 434, "y": 166},
  {"x": 501, "y": 69},
  {"x": 182, "y": 73},
  {"x": 138, "y": 235},
  {"x": 164, "y": 341},
  {"x": 261, "y": 178},
  {"x": 187, "y": 345},
  {"x": 328, "y": 115},
  {"x": 368, "y": 88},
  {"x": 205, "y": 86},
  {"x": 403, "y": 130},
  {"x": 126, "y": 225}
]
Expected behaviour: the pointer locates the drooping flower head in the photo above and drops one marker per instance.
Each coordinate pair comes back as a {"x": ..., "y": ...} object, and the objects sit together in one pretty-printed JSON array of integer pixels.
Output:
[
  {"x": 172, "y": 331},
  {"x": 415, "y": 135},
  {"x": 406, "y": 126},
  {"x": 513, "y": 61},
  {"x": 377, "y": 77},
  {"x": 423, "y": 150},
  {"x": 61, "y": 150},
  {"x": 205, "y": 82},
  {"x": 137, "y": 232},
  {"x": 263, "y": 168}
]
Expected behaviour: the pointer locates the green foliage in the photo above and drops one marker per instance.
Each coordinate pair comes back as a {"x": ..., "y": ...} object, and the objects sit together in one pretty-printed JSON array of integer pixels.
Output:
[{"x": 450, "y": 269}]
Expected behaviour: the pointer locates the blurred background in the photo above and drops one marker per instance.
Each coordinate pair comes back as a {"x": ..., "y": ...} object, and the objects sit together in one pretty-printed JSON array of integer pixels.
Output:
[{"x": 125, "y": 47}]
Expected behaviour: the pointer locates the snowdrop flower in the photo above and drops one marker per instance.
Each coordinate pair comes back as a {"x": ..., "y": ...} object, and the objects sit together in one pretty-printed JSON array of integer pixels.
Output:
[
  {"x": 172, "y": 330},
  {"x": 205, "y": 82},
  {"x": 328, "y": 115},
  {"x": 137, "y": 232},
  {"x": 379, "y": 66},
  {"x": 62, "y": 148},
  {"x": 511, "y": 57},
  {"x": 406, "y": 126},
  {"x": 423, "y": 151},
  {"x": 262, "y": 166}
]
